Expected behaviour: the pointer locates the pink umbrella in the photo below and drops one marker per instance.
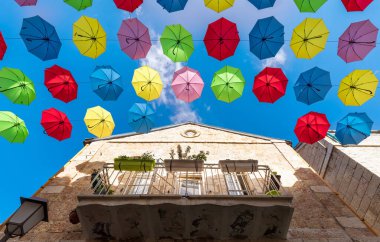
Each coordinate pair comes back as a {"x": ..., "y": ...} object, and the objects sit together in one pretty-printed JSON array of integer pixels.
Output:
[
  {"x": 187, "y": 84},
  {"x": 26, "y": 2},
  {"x": 357, "y": 41},
  {"x": 134, "y": 38}
]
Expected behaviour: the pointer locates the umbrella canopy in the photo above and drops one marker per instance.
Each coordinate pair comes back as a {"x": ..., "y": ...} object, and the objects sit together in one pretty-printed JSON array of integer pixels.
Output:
[
  {"x": 61, "y": 84},
  {"x": 134, "y": 38},
  {"x": 106, "y": 83},
  {"x": 266, "y": 38},
  {"x": 177, "y": 43},
  {"x": 228, "y": 84},
  {"x": 128, "y": 5},
  {"x": 16, "y": 86},
  {"x": 3, "y": 46},
  {"x": 357, "y": 41},
  {"x": 147, "y": 83},
  {"x": 99, "y": 122},
  {"x": 312, "y": 127},
  {"x": 309, "y": 38},
  {"x": 140, "y": 117},
  {"x": 89, "y": 37},
  {"x": 356, "y": 5},
  {"x": 261, "y": 4},
  {"x": 219, "y": 5},
  {"x": 312, "y": 86},
  {"x": 12, "y": 128},
  {"x": 79, "y": 4},
  {"x": 40, "y": 38},
  {"x": 172, "y": 5},
  {"x": 358, "y": 87},
  {"x": 24, "y": 3},
  {"x": 270, "y": 85},
  {"x": 221, "y": 39},
  {"x": 56, "y": 124},
  {"x": 187, "y": 84},
  {"x": 310, "y": 6},
  {"x": 353, "y": 128}
]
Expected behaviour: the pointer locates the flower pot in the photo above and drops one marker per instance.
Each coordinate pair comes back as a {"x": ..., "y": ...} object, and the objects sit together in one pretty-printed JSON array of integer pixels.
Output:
[
  {"x": 184, "y": 165},
  {"x": 133, "y": 164}
]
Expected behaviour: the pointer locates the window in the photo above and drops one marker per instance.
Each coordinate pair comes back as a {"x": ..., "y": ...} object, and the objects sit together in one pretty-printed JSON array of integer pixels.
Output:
[
  {"x": 235, "y": 184},
  {"x": 190, "y": 187},
  {"x": 141, "y": 184}
]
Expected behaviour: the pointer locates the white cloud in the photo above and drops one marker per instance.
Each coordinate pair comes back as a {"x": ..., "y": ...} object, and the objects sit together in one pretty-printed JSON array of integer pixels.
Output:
[{"x": 278, "y": 60}]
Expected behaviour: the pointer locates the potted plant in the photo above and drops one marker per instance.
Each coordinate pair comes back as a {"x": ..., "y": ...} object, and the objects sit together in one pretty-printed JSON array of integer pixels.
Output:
[
  {"x": 145, "y": 162},
  {"x": 185, "y": 161}
]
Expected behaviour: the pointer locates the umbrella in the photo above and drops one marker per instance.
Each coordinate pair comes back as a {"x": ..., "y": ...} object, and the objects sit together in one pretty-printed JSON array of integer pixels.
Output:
[
  {"x": 221, "y": 39},
  {"x": 16, "y": 86},
  {"x": 40, "y": 38},
  {"x": 89, "y": 37},
  {"x": 266, "y": 37},
  {"x": 128, "y": 5},
  {"x": 24, "y": 3},
  {"x": 134, "y": 38},
  {"x": 353, "y": 128},
  {"x": 309, "y": 38},
  {"x": 12, "y": 128},
  {"x": 312, "y": 127},
  {"x": 99, "y": 122},
  {"x": 3, "y": 46},
  {"x": 356, "y": 5},
  {"x": 177, "y": 43},
  {"x": 310, "y": 6},
  {"x": 140, "y": 117},
  {"x": 312, "y": 85},
  {"x": 270, "y": 85},
  {"x": 172, "y": 5},
  {"x": 56, "y": 124},
  {"x": 79, "y": 4},
  {"x": 106, "y": 83},
  {"x": 357, "y": 41},
  {"x": 261, "y": 4},
  {"x": 219, "y": 5},
  {"x": 147, "y": 83},
  {"x": 187, "y": 84},
  {"x": 358, "y": 87},
  {"x": 228, "y": 84},
  {"x": 61, "y": 83}
]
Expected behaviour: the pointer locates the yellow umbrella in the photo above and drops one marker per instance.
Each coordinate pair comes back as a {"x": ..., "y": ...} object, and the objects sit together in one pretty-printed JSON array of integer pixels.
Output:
[
  {"x": 147, "y": 83},
  {"x": 89, "y": 37},
  {"x": 99, "y": 122},
  {"x": 219, "y": 5},
  {"x": 358, "y": 87},
  {"x": 309, "y": 38}
]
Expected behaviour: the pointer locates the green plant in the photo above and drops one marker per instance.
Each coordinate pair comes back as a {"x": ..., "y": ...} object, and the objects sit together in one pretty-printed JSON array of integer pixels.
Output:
[
  {"x": 185, "y": 155},
  {"x": 144, "y": 156}
]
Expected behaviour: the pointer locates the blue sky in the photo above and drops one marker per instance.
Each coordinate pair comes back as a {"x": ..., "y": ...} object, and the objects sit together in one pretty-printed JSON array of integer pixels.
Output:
[{"x": 25, "y": 167}]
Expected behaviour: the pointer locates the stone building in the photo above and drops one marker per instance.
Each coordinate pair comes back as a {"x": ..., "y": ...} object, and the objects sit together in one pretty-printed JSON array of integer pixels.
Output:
[{"x": 250, "y": 188}]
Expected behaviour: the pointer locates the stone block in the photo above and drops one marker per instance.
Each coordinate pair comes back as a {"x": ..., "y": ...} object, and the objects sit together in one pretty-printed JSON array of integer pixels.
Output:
[
  {"x": 351, "y": 222},
  {"x": 53, "y": 189},
  {"x": 321, "y": 189}
]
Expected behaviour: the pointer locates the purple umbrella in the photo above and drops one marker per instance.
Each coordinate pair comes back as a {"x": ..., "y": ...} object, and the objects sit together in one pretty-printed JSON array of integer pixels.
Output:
[
  {"x": 357, "y": 41},
  {"x": 26, "y": 2},
  {"x": 134, "y": 38}
]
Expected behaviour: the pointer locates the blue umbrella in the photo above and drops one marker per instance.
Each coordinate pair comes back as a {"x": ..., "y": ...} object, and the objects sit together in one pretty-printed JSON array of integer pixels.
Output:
[
  {"x": 266, "y": 37},
  {"x": 260, "y": 4},
  {"x": 40, "y": 38},
  {"x": 106, "y": 83},
  {"x": 172, "y": 5},
  {"x": 312, "y": 85},
  {"x": 353, "y": 128},
  {"x": 141, "y": 117}
]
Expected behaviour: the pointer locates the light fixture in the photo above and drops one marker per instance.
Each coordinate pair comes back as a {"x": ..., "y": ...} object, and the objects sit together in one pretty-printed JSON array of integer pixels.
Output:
[{"x": 32, "y": 211}]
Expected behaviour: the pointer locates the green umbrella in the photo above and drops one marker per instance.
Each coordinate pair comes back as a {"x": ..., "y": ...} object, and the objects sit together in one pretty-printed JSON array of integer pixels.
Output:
[
  {"x": 79, "y": 4},
  {"x": 228, "y": 84},
  {"x": 177, "y": 43},
  {"x": 16, "y": 86},
  {"x": 12, "y": 127},
  {"x": 309, "y": 5}
]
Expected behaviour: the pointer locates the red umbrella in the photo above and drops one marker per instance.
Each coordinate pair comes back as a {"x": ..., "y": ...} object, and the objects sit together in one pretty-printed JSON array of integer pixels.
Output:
[
  {"x": 56, "y": 124},
  {"x": 61, "y": 83},
  {"x": 128, "y": 5},
  {"x": 312, "y": 127},
  {"x": 356, "y": 5},
  {"x": 221, "y": 39},
  {"x": 270, "y": 84},
  {"x": 3, "y": 46}
]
